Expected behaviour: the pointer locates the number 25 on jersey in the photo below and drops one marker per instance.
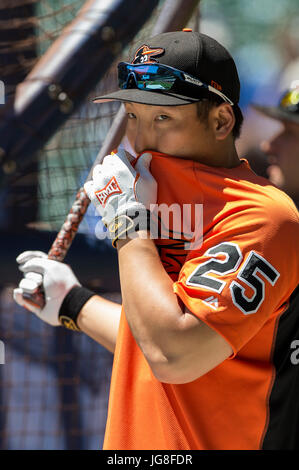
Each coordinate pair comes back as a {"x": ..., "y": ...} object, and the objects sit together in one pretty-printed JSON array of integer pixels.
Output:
[{"x": 254, "y": 264}]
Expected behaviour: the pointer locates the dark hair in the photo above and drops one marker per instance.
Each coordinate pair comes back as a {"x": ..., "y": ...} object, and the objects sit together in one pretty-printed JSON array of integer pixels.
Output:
[{"x": 204, "y": 107}]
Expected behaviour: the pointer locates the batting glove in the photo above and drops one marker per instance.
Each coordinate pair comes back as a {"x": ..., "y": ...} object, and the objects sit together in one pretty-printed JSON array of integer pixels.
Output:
[
  {"x": 54, "y": 278},
  {"x": 123, "y": 194}
]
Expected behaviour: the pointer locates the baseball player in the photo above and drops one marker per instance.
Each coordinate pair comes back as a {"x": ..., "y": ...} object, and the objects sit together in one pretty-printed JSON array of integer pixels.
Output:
[
  {"x": 283, "y": 148},
  {"x": 205, "y": 340}
]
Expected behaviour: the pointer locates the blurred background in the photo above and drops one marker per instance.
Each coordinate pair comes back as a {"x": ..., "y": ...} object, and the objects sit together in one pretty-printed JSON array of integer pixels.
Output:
[{"x": 54, "y": 384}]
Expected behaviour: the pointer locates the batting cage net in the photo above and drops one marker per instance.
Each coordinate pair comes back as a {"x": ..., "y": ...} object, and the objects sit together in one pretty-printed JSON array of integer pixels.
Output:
[{"x": 54, "y": 382}]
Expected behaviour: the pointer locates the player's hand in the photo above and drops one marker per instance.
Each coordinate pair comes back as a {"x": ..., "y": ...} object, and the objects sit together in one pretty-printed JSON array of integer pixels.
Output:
[
  {"x": 54, "y": 278},
  {"x": 118, "y": 188}
]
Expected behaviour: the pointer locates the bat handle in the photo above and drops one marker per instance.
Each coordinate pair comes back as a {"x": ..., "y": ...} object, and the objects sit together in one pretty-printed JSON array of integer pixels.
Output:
[
  {"x": 70, "y": 227},
  {"x": 37, "y": 299},
  {"x": 63, "y": 240}
]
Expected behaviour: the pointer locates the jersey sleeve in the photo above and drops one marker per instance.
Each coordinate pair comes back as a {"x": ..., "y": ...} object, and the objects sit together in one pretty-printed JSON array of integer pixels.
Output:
[{"x": 244, "y": 271}]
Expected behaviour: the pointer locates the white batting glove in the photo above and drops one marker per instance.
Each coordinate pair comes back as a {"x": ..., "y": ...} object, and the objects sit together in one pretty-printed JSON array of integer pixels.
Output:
[
  {"x": 54, "y": 278},
  {"x": 118, "y": 190}
]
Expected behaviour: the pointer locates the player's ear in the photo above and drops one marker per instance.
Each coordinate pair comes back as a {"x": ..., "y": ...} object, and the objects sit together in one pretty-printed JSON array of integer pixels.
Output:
[{"x": 223, "y": 120}]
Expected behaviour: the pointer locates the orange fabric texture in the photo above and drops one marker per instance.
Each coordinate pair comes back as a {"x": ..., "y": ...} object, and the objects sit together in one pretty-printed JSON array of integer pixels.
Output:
[{"x": 237, "y": 280}]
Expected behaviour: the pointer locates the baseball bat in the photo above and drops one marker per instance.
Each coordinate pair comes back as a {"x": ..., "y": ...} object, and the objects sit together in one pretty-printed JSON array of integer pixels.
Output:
[{"x": 174, "y": 16}]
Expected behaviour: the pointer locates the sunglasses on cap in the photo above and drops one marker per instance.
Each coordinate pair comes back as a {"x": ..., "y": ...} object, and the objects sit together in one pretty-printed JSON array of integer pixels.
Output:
[
  {"x": 153, "y": 77},
  {"x": 290, "y": 101}
]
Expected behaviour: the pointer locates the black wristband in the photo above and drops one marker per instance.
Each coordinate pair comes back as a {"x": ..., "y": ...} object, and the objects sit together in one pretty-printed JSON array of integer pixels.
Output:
[{"x": 72, "y": 305}]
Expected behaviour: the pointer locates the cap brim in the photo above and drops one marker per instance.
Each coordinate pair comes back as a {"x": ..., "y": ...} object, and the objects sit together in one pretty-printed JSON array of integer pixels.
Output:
[
  {"x": 146, "y": 97},
  {"x": 276, "y": 113},
  {"x": 152, "y": 98}
]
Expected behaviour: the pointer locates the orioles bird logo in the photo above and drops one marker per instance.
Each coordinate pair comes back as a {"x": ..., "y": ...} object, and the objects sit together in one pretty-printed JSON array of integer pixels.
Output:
[{"x": 146, "y": 54}]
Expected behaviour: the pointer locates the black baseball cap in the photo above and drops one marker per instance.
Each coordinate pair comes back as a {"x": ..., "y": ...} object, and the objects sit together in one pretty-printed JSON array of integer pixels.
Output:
[
  {"x": 191, "y": 52},
  {"x": 287, "y": 109}
]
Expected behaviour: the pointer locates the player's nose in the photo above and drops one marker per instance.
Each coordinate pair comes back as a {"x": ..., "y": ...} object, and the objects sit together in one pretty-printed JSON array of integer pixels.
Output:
[{"x": 144, "y": 139}]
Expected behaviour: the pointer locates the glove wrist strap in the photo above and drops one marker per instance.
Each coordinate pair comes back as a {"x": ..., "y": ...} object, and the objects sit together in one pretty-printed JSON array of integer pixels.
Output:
[
  {"x": 72, "y": 305},
  {"x": 129, "y": 222}
]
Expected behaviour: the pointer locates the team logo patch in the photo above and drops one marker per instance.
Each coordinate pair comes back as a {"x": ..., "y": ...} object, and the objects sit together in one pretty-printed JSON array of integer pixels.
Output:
[
  {"x": 121, "y": 224},
  {"x": 113, "y": 228},
  {"x": 216, "y": 85},
  {"x": 147, "y": 54},
  {"x": 68, "y": 323},
  {"x": 111, "y": 188}
]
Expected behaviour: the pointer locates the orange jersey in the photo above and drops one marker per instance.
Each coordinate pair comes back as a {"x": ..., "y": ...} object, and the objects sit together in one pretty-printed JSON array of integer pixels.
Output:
[{"x": 238, "y": 279}]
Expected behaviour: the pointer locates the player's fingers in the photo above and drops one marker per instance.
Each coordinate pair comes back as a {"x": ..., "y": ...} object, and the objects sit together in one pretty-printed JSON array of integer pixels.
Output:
[
  {"x": 26, "y": 303},
  {"x": 38, "y": 265},
  {"x": 27, "y": 255},
  {"x": 37, "y": 278},
  {"x": 109, "y": 160},
  {"x": 18, "y": 296},
  {"x": 143, "y": 163},
  {"x": 124, "y": 159},
  {"x": 96, "y": 171},
  {"x": 89, "y": 189},
  {"x": 28, "y": 286}
]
